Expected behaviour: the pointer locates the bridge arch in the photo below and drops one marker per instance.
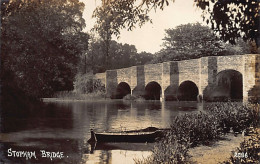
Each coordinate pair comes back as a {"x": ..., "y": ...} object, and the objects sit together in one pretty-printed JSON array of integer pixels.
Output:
[
  {"x": 229, "y": 84},
  {"x": 122, "y": 90},
  {"x": 153, "y": 91},
  {"x": 187, "y": 91}
]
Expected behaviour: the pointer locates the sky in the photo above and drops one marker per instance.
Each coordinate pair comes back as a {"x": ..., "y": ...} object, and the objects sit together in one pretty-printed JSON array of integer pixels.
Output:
[{"x": 149, "y": 37}]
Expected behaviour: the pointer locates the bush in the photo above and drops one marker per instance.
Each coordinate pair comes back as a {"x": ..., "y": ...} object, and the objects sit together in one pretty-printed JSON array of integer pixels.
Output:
[
  {"x": 200, "y": 128},
  {"x": 86, "y": 83},
  {"x": 168, "y": 150},
  {"x": 234, "y": 116}
]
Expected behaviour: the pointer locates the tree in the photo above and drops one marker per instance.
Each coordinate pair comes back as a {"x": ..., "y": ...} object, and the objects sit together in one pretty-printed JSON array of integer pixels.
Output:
[
  {"x": 142, "y": 58},
  {"x": 231, "y": 19},
  {"x": 190, "y": 41},
  {"x": 113, "y": 16},
  {"x": 41, "y": 44},
  {"x": 122, "y": 56},
  {"x": 194, "y": 41}
]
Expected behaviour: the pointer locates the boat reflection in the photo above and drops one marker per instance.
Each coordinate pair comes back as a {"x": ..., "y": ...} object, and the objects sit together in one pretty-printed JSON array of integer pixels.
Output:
[{"x": 120, "y": 146}]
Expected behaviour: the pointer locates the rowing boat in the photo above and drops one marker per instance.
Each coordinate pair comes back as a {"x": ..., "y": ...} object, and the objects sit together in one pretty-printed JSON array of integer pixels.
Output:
[{"x": 144, "y": 135}]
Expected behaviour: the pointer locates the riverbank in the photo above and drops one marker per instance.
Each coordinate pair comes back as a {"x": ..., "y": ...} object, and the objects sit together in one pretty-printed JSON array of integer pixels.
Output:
[
  {"x": 73, "y": 100},
  {"x": 227, "y": 150},
  {"x": 74, "y": 96},
  {"x": 217, "y": 152},
  {"x": 190, "y": 131}
]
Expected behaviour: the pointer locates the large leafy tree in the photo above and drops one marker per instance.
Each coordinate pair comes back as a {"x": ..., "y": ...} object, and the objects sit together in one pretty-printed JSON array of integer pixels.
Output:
[
  {"x": 41, "y": 44},
  {"x": 194, "y": 41},
  {"x": 231, "y": 19},
  {"x": 191, "y": 41}
]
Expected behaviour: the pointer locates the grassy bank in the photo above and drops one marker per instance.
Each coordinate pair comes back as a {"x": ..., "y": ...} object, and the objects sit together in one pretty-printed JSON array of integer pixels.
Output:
[
  {"x": 191, "y": 130},
  {"x": 68, "y": 95}
]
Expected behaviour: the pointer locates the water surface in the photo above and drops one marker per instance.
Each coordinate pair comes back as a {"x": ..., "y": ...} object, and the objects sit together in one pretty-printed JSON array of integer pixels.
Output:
[{"x": 65, "y": 127}]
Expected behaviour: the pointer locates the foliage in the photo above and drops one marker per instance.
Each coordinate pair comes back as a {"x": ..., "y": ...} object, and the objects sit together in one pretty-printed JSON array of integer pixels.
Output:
[
  {"x": 234, "y": 116},
  {"x": 112, "y": 17},
  {"x": 41, "y": 44},
  {"x": 231, "y": 19},
  {"x": 169, "y": 150},
  {"x": 240, "y": 48},
  {"x": 191, "y": 41},
  {"x": 95, "y": 57},
  {"x": 122, "y": 56},
  {"x": 116, "y": 15},
  {"x": 86, "y": 83},
  {"x": 14, "y": 99},
  {"x": 192, "y": 129}
]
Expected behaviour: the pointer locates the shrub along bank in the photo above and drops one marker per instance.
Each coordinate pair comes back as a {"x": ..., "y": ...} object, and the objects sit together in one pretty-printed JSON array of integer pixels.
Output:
[
  {"x": 190, "y": 130},
  {"x": 86, "y": 87}
]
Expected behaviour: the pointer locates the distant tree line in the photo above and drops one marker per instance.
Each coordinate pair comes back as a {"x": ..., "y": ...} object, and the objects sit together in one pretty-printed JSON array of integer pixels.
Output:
[{"x": 121, "y": 56}]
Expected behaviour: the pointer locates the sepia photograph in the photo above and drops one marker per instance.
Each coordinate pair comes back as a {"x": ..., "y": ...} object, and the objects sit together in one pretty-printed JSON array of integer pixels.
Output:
[{"x": 130, "y": 82}]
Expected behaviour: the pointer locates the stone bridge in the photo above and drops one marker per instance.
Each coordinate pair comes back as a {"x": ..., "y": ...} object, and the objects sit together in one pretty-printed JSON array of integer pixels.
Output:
[{"x": 208, "y": 78}]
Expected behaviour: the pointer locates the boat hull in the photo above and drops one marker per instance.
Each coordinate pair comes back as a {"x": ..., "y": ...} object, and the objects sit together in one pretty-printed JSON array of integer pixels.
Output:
[
  {"x": 145, "y": 137},
  {"x": 149, "y": 134}
]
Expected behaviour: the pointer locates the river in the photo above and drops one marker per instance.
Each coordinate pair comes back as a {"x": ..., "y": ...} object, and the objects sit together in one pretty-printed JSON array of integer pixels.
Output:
[{"x": 64, "y": 128}]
